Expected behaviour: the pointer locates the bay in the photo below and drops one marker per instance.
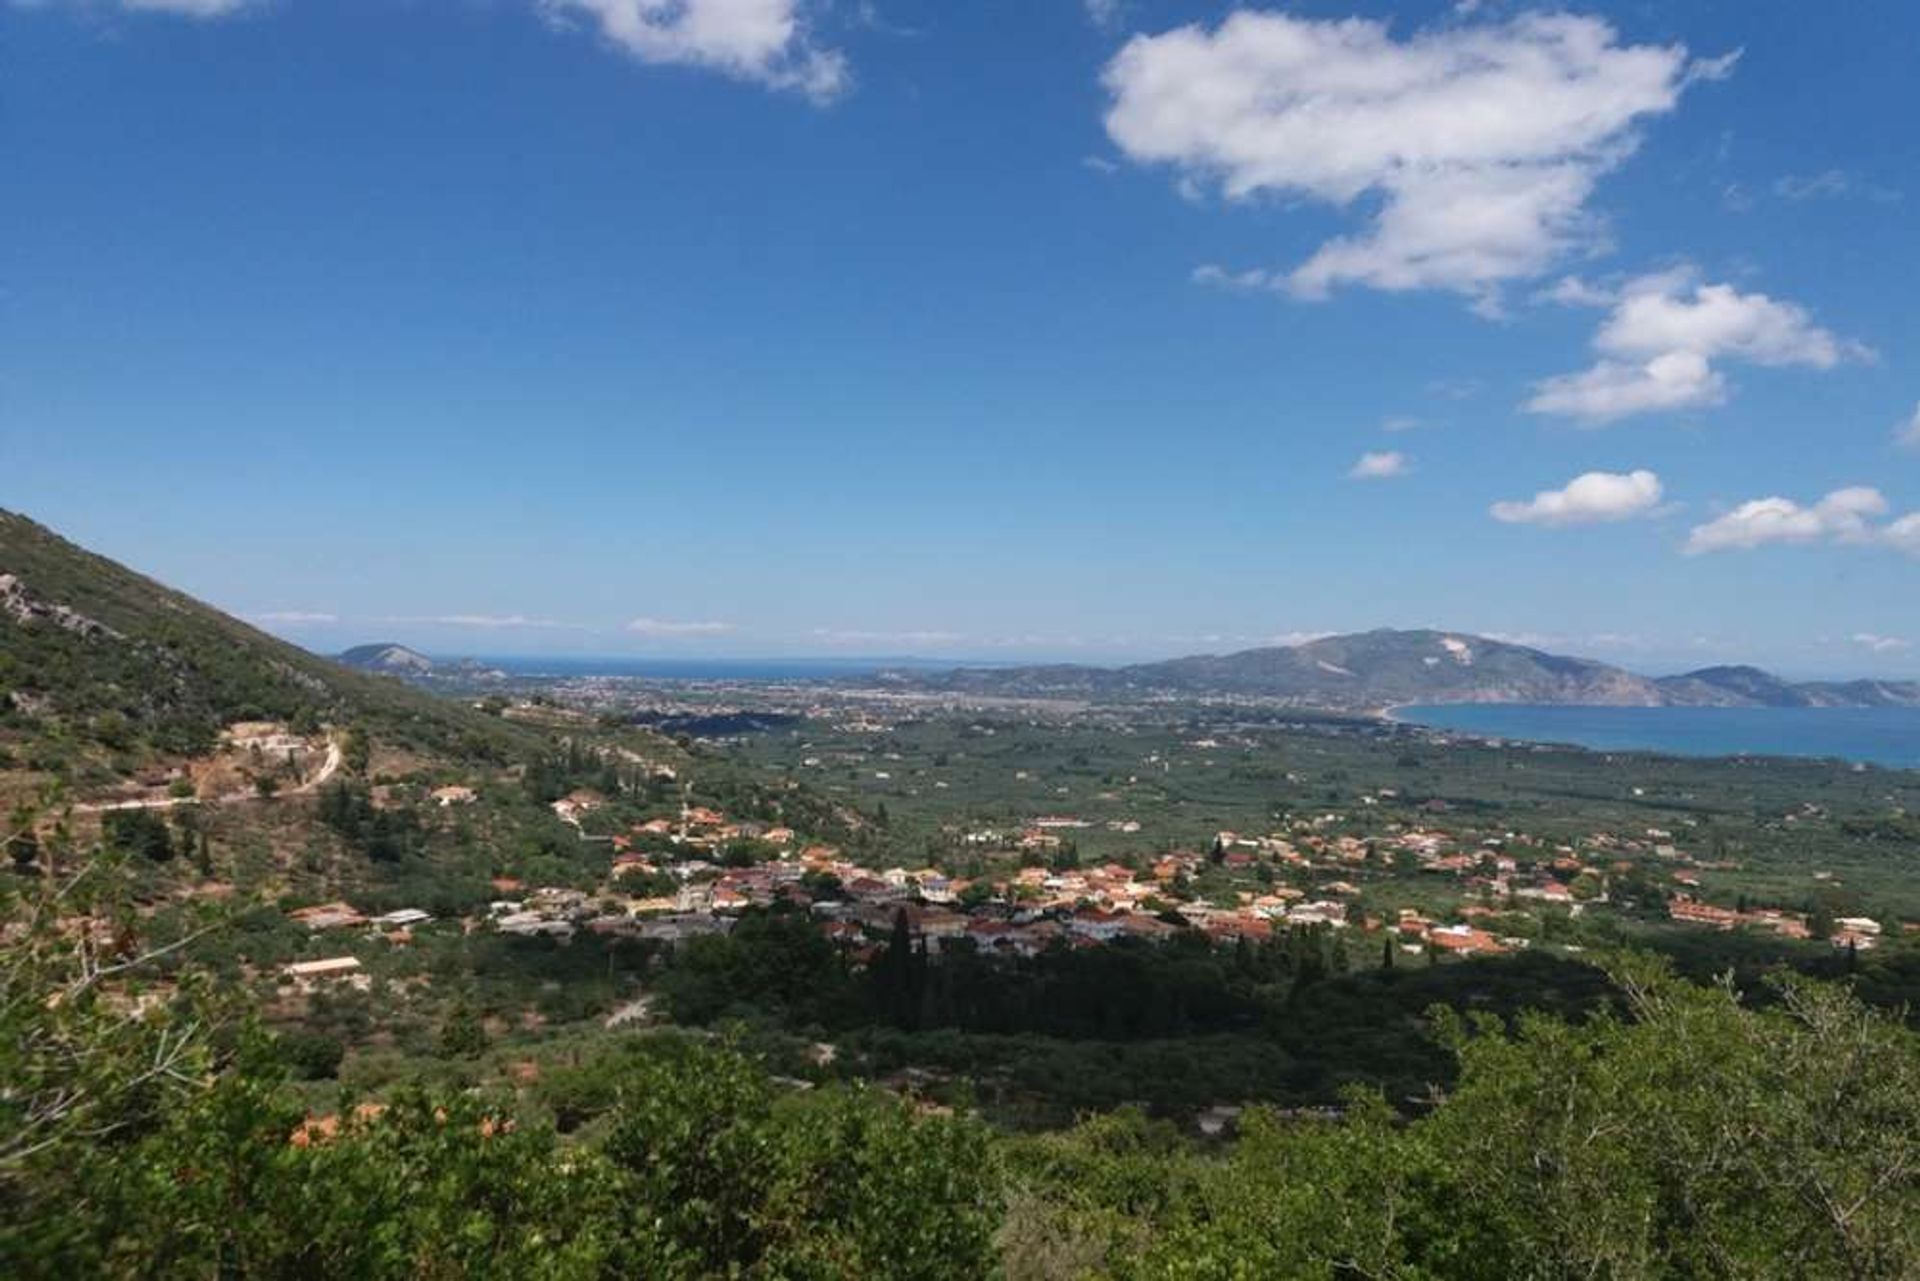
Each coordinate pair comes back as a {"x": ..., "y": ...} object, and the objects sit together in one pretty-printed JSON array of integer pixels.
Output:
[{"x": 1874, "y": 735}]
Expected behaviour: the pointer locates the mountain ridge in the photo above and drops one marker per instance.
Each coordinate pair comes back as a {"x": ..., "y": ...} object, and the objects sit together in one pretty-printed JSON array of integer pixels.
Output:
[
  {"x": 1374, "y": 670},
  {"x": 386, "y": 656}
]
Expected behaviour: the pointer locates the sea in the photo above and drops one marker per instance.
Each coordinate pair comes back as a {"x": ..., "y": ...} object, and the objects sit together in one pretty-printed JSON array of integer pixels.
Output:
[{"x": 1871, "y": 735}]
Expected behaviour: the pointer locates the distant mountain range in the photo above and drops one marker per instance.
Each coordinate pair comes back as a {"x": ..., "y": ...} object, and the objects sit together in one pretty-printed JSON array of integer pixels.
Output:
[
  {"x": 1379, "y": 669},
  {"x": 394, "y": 660},
  {"x": 389, "y": 658}
]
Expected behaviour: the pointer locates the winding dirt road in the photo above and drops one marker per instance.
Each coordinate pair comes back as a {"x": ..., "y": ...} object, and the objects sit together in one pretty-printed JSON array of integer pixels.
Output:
[{"x": 328, "y": 768}]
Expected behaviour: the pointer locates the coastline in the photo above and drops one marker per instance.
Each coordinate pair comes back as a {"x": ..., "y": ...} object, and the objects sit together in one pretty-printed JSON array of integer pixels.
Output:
[{"x": 1884, "y": 738}]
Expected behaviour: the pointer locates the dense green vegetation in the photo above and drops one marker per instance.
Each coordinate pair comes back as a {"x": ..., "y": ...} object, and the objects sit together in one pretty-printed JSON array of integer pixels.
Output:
[
  {"x": 1675, "y": 1131},
  {"x": 1691, "y": 1136},
  {"x": 1181, "y": 1026}
]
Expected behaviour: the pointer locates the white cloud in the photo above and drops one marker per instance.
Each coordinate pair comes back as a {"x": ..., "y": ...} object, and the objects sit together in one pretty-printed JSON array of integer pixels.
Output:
[
  {"x": 1903, "y": 534},
  {"x": 1480, "y": 142},
  {"x": 1616, "y": 389},
  {"x": 1587, "y": 499},
  {"x": 1380, "y": 465},
  {"x": 1573, "y": 291},
  {"x": 1843, "y": 516},
  {"x": 1881, "y": 644},
  {"x": 1226, "y": 278},
  {"x": 1908, "y": 433},
  {"x": 1658, "y": 344},
  {"x": 765, "y": 41},
  {"x": 1656, "y": 315},
  {"x": 1105, "y": 14},
  {"x": 1396, "y": 423},
  {"x": 663, "y": 627}
]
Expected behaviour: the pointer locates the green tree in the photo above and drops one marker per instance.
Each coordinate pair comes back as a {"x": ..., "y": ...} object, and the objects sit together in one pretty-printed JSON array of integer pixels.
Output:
[
  {"x": 87, "y": 1073},
  {"x": 356, "y": 753},
  {"x": 462, "y": 1034},
  {"x": 1703, "y": 1137},
  {"x": 138, "y": 831}
]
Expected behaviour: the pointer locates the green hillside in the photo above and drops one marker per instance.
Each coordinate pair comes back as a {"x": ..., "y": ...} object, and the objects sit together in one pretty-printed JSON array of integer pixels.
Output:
[{"x": 102, "y": 668}]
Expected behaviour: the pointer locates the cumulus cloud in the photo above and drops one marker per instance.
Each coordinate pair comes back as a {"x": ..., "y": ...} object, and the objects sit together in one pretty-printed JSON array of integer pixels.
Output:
[
  {"x": 1380, "y": 465},
  {"x": 1660, "y": 339},
  {"x": 1477, "y": 145},
  {"x": 665, "y": 627},
  {"x": 1903, "y": 534},
  {"x": 1591, "y": 498},
  {"x": 1908, "y": 433},
  {"x": 1881, "y": 644},
  {"x": 765, "y": 41},
  {"x": 1843, "y": 516},
  {"x": 1657, "y": 314},
  {"x": 1615, "y": 389}
]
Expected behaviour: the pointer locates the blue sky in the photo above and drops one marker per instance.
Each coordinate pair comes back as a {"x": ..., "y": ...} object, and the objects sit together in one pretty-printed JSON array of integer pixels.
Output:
[{"x": 998, "y": 330}]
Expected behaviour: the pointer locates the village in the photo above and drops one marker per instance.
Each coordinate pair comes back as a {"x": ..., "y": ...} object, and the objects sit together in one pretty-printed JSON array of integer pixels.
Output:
[{"x": 668, "y": 880}]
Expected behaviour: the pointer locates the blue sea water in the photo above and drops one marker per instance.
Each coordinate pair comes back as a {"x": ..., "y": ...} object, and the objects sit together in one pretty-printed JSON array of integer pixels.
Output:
[{"x": 1876, "y": 735}]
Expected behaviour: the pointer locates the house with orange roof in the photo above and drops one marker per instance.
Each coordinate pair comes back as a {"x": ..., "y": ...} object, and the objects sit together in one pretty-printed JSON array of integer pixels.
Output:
[
  {"x": 1464, "y": 940},
  {"x": 1682, "y": 908}
]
